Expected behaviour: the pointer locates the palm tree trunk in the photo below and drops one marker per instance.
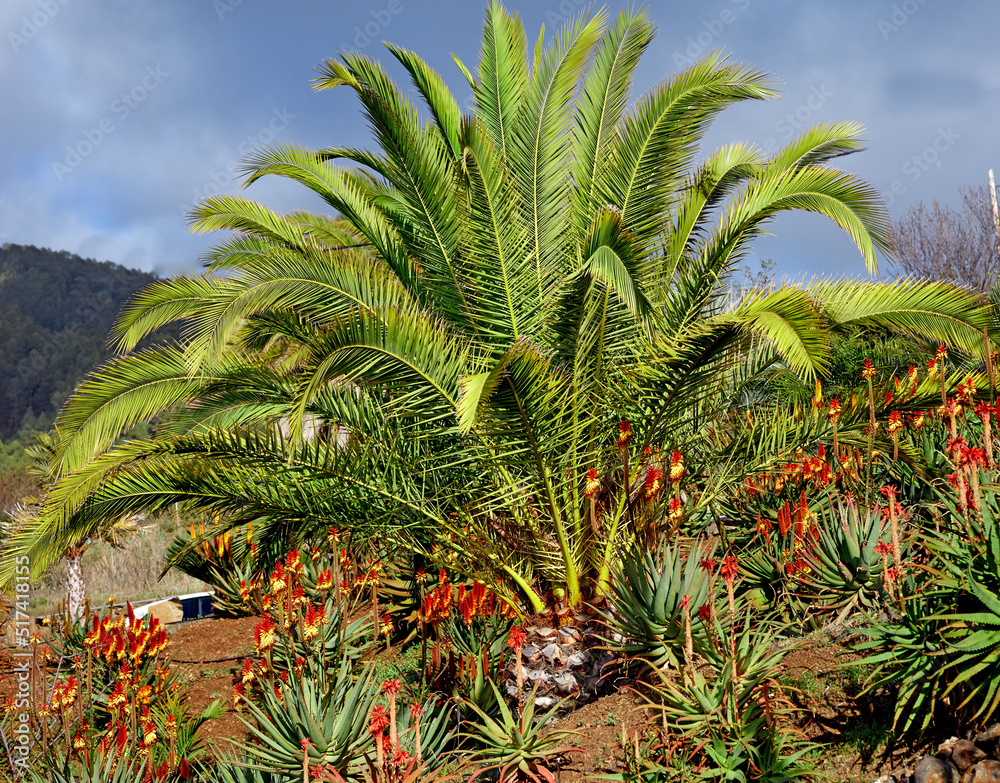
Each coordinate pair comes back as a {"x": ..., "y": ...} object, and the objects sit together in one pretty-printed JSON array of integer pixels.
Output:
[{"x": 76, "y": 587}]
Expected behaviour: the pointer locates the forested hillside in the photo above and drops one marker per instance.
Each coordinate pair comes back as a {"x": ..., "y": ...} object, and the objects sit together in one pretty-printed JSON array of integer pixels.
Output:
[{"x": 56, "y": 310}]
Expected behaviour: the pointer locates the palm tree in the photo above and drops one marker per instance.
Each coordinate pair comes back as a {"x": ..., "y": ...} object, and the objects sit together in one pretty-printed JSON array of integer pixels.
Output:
[
  {"x": 496, "y": 292},
  {"x": 113, "y": 529}
]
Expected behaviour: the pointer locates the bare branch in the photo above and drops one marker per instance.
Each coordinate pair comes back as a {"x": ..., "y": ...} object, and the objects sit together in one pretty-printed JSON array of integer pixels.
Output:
[{"x": 939, "y": 243}]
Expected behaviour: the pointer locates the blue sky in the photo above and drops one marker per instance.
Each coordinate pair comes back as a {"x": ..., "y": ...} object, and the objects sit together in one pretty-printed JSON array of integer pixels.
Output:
[{"x": 118, "y": 115}]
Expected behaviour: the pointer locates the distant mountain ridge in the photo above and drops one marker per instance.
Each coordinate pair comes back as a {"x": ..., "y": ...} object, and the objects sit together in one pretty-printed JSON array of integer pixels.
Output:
[{"x": 56, "y": 310}]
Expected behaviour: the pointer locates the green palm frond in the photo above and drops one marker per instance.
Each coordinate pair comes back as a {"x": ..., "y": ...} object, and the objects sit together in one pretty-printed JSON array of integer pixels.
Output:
[
  {"x": 658, "y": 140},
  {"x": 936, "y": 311},
  {"x": 789, "y": 320},
  {"x": 818, "y": 145},
  {"x": 540, "y": 152},
  {"x": 126, "y": 391},
  {"x": 503, "y": 74},
  {"x": 602, "y": 103},
  {"x": 443, "y": 106}
]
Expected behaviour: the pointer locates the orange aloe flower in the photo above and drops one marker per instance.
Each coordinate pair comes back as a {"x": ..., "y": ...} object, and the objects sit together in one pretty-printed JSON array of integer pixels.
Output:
[{"x": 677, "y": 469}]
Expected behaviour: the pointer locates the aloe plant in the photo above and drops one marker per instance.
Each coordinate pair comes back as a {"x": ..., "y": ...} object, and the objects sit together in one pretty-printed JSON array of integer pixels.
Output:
[
  {"x": 946, "y": 643},
  {"x": 733, "y": 712},
  {"x": 647, "y": 600},
  {"x": 909, "y": 653},
  {"x": 99, "y": 768},
  {"x": 331, "y": 716},
  {"x": 240, "y": 770},
  {"x": 770, "y": 577},
  {"x": 843, "y": 567},
  {"x": 335, "y": 640},
  {"x": 516, "y": 744}
]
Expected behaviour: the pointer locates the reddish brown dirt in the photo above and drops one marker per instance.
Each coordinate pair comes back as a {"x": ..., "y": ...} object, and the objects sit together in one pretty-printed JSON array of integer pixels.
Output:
[
  {"x": 599, "y": 726},
  {"x": 196, "y": 648},
  {"x": 836, "y": 708}
]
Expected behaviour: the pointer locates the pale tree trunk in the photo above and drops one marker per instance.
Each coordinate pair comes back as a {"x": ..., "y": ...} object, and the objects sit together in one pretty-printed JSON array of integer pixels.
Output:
[{"x": 76, "y": 588}]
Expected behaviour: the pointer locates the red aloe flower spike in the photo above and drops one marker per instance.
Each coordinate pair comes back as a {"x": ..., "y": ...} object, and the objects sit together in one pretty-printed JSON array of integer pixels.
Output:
[
  {"x": 653, "y": 476},
  {"x": 729, "y": 569},
  {"x": 676, "y": 514},
  {"x": 624, "y": 434},
  {"x": 392, "y": 687},
  {"x": 379, "y": 720},
  {"x": 325, "y": 579},
  {"x": 516, "y": 637},
  {"x": 985, "y": 413},
  {"x": 121, "y": 740}
]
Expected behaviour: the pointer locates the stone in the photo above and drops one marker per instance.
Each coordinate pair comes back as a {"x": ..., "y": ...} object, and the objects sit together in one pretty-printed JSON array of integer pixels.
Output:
[
  {"x": 546, "y": 632},
  {"x": 945, "y": 748},
  {"x": 545, "y": 702},
  {"x": 986, "y": 771},
  {"x": 992, "y": 733},
  {"x": 965, "y": 753},
  {"x": 530, "y": 653},
  {"x": 934, "y": 770}
]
